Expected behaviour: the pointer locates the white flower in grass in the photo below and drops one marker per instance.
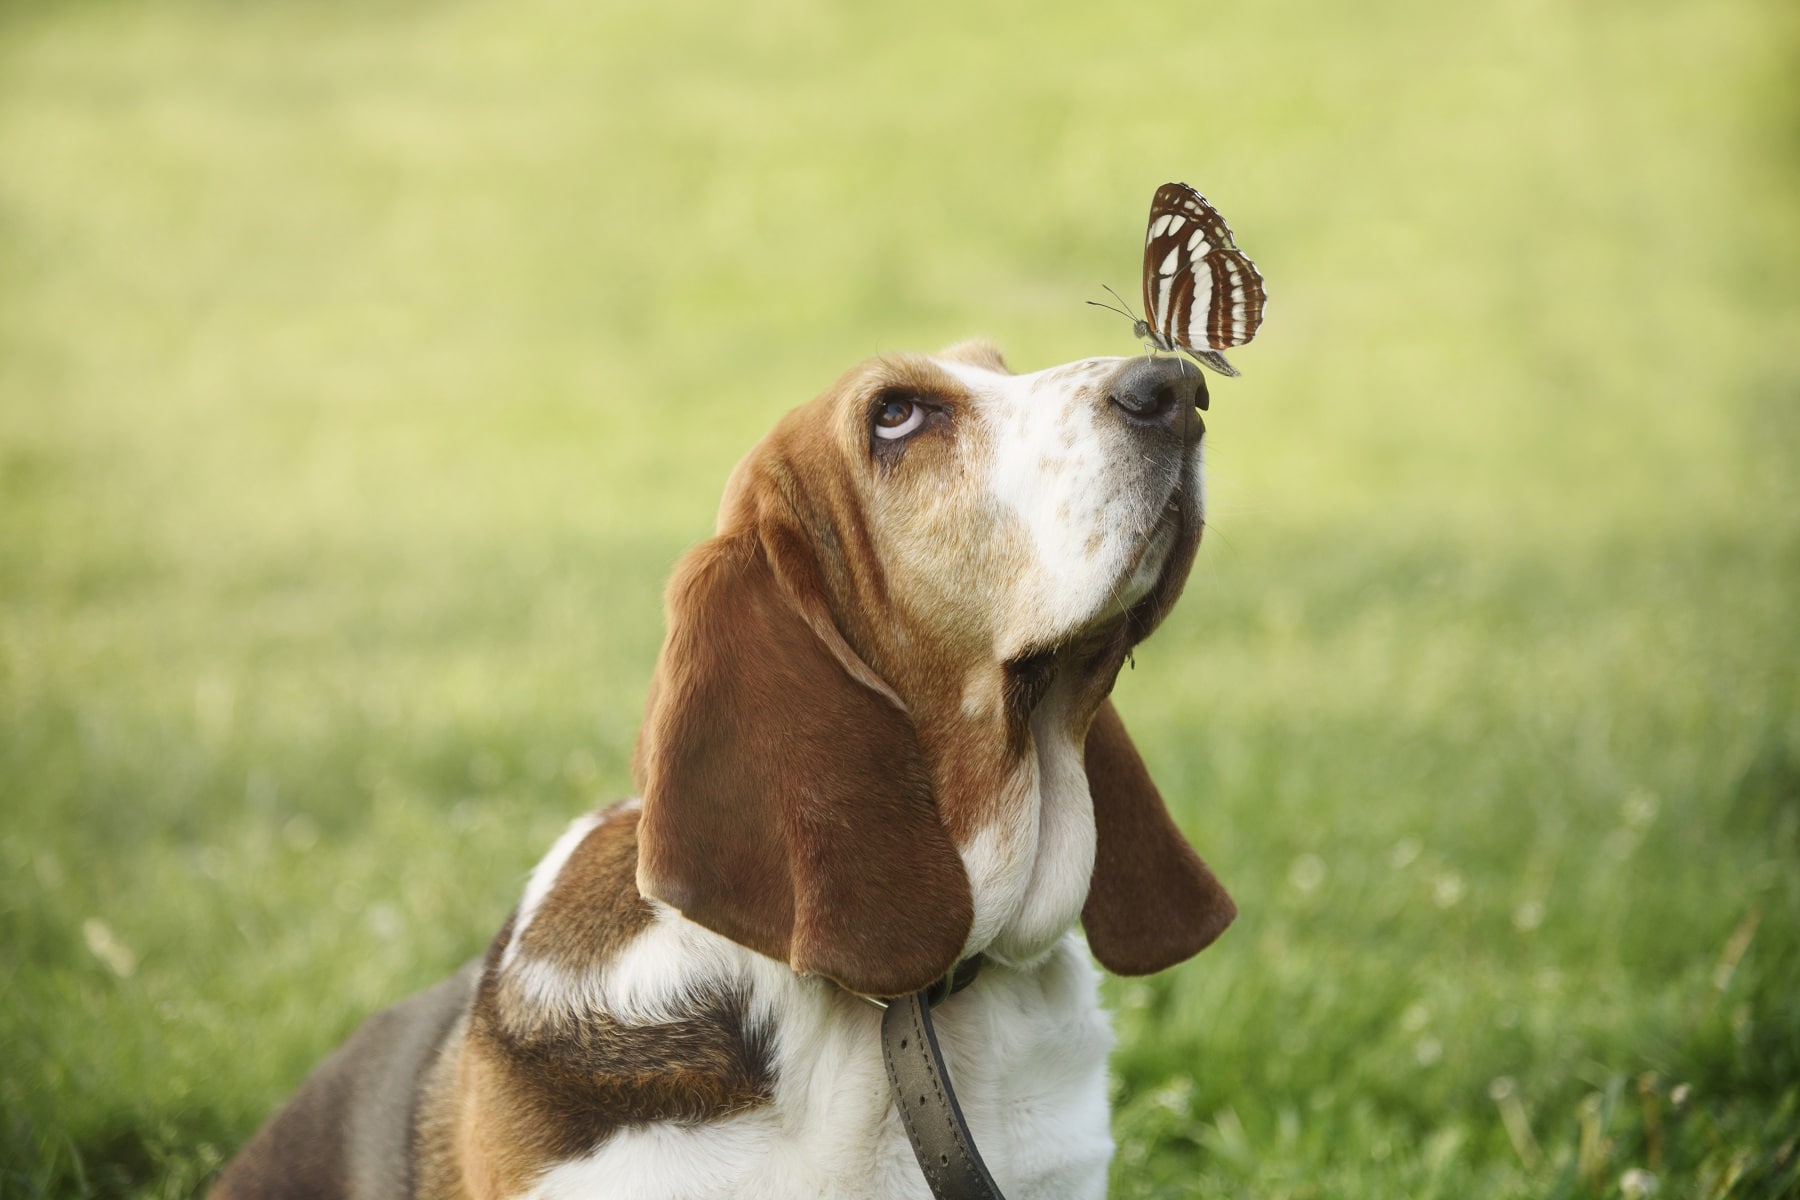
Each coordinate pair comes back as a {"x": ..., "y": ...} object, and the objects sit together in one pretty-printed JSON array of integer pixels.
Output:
[
  {"x": 104, "y": 945},
  {"x": 1176, "y": 1096},
  {"x": 1637, "y": 1183},
  {"x": 1307, "y": 872},
  {"x": 384, "y": 921},
  {"x": 1528, "y": 916},
  {"x": 1639, "y": 810},
  {"x": 1449, "y": 890}
]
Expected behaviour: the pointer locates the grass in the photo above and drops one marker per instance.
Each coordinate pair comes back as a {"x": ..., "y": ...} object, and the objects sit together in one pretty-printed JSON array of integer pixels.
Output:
[{"x": 363, "y": 368}]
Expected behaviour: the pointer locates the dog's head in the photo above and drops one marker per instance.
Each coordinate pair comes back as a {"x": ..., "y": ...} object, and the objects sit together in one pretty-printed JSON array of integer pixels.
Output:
[{"x": 878, "y": 737}]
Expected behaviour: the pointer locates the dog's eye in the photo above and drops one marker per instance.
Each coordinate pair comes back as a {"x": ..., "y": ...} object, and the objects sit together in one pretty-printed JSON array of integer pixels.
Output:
[{"x": 897, "y": 418}]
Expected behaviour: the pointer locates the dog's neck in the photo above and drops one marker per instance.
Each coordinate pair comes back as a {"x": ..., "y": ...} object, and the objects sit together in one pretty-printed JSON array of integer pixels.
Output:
[{"x": 1030, "y": 855}]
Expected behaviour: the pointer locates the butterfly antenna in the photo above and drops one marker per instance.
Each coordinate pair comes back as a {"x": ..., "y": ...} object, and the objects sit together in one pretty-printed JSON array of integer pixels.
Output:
[
  {"x": 1121, "y": 300},
  {"x": 1110, "y": 308},
  {"x": 1124, "y": 310}
]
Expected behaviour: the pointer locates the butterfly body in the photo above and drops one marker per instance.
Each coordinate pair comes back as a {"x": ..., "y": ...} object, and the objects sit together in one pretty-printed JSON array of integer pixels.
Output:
[
  {"x": 1148, "y": 334},
  {"x": 1201, "y": 293}
]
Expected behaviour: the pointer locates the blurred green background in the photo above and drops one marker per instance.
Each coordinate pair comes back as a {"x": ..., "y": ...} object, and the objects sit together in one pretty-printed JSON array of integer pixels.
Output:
[{"x": 365, "y": 366}]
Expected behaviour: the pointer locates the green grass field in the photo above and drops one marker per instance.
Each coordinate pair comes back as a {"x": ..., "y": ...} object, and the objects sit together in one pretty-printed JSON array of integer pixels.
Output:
[{"x": 365, "y": 367}]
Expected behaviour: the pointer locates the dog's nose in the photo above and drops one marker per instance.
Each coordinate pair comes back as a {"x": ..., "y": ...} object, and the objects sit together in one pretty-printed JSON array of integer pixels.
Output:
[{"x": 1160, "y": 391}]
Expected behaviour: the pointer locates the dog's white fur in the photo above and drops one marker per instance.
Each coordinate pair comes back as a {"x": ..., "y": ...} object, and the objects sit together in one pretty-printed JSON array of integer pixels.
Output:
[{"x": 1026, "y": 1049}]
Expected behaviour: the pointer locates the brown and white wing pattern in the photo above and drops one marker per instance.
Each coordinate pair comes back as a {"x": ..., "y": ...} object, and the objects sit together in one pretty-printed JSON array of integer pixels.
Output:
[{"x": 1201, "y": 293}]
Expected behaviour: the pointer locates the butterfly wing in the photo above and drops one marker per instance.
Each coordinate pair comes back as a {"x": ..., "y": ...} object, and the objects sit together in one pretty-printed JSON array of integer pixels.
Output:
[{"x": 1201, "y": 293}]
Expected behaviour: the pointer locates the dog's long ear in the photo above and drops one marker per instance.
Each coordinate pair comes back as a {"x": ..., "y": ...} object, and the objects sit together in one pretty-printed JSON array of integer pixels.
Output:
[
  {"x": 786, "y": 804},
  {"x": 1152, "y": 902}
]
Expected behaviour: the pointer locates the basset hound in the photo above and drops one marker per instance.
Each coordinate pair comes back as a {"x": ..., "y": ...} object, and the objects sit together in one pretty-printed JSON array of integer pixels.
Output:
[{"x": 878, "y": 744}]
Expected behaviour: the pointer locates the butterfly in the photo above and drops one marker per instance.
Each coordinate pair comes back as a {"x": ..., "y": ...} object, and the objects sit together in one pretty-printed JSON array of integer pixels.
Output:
[{"x": 1201, "y": 293}]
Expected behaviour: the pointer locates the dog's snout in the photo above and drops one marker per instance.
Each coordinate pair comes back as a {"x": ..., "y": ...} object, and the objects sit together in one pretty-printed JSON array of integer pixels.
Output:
[{"x": 1158, "y": 391}]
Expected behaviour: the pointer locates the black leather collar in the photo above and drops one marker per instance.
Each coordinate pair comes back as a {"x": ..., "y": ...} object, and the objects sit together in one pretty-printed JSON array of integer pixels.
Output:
[{"x": 922, "y": 1092}]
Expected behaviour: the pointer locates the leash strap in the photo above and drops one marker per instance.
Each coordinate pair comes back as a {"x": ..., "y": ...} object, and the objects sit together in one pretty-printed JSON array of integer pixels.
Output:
[{"x": 921, "y": 1086}]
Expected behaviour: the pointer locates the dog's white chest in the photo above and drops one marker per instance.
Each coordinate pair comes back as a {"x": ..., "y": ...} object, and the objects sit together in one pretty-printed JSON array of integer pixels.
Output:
[{"x": 1026, "y": 1053}]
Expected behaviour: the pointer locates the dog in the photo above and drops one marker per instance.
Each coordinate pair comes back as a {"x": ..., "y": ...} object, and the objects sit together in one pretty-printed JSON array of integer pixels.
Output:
[{"x": 878, "y": 744}]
